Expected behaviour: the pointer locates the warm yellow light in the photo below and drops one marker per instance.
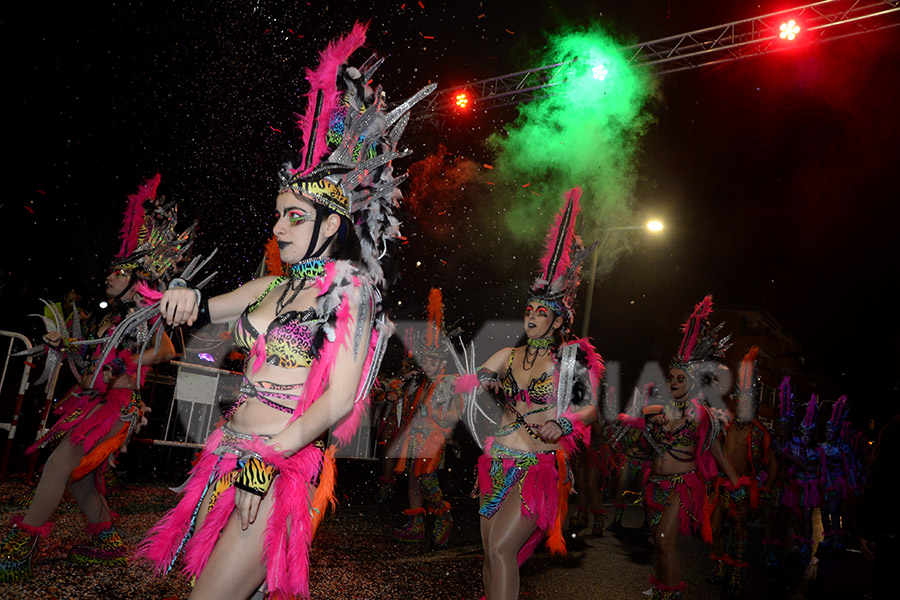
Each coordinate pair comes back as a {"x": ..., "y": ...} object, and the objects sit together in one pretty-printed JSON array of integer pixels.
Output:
[{"x": 654, "y": 226}]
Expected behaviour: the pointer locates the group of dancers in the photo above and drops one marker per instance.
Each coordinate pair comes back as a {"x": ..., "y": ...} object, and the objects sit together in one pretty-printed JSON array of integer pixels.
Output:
[{"x": 314, "y": 337}]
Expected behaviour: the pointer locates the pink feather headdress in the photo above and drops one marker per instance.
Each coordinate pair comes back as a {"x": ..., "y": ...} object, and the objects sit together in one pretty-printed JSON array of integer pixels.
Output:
[
  {"x": 810, "y": 418},
  {"x": 700, "y": 343},
  {"x": 134, "y": 229},
  {"x": 150, "y": 247},
  {"x": 786, "y": 401},
  {"x": 558, "y": 281},
  {"x": 839, "y": 413},
  {"x": 349, "y": 142}
]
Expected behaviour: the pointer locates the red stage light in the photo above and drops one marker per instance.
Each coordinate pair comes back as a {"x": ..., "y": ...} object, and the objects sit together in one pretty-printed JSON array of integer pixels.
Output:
[
  {"x": 461, "y": 101},
  {"x": 789, "y": 30}
]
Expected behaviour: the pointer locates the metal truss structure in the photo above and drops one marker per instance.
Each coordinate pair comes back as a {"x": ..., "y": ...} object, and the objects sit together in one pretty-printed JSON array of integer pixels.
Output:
[{"x": 819, "y": 22}]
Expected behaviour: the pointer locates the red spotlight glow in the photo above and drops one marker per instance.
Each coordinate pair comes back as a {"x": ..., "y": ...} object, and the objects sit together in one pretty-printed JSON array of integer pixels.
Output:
[
  {"x": 461, "y": 101},
  {"x": 789, "y": 30}
]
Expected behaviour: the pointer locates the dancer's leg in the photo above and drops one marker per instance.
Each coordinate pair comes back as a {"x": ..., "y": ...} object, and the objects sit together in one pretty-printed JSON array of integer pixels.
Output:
[
  {"x": 235, "y": 568},
  {"x": 502, "y": 536},
  {"x": 52, "y": 485},
  {"x": 665, "y": 543}
]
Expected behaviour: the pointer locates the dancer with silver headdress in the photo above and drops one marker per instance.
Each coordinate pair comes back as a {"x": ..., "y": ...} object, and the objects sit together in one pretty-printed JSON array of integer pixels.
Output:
[
  {"x": 685, "y": 435},
  {"x": 548, "y": 393},
  {"x": 433, "y": 410},
  {"x": 97, "y": 417},
  {"x": 315, "y": 339}
]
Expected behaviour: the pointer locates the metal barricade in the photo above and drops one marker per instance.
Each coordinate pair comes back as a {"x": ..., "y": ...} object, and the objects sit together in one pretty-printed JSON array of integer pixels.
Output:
[{"x": 23, "y": 387}]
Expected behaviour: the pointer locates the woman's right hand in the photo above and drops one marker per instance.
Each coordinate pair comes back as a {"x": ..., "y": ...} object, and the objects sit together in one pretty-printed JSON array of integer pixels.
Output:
[{"x": 178, "y": 306}]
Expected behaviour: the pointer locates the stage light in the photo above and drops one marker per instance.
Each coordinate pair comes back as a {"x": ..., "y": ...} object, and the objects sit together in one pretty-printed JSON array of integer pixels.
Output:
[
  {"x": 461, "y": 101},
  {"x": 655, "y": 226},
  {"x": 789, "y": 30},
  {"x": 600, "y": 72},
  {"x": 104, "y": 304}
]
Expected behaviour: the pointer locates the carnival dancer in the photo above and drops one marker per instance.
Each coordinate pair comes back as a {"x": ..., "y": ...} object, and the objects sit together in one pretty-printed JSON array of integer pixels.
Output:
[
  {"x": 523, "y": 476},
  {"x": 748, "y": 447},
  {"x": 97, "y": 416},
  {"x": 315, "y": 339},
  {"x": 784, "y": 495},
  {"x": 390, "y": 414},
  {"x": 839, "y": 479},
  {"x": 686, "y": 438},
  {"x": 419, "y": 447},
  {"x": 634, "y": 443},
  {"x": 804, "y": 493},
  {"x": 594, "y": 466}
]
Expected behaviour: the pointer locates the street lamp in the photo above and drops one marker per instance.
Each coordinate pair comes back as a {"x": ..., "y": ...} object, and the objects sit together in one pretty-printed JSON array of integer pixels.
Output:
[{"x": 653, "y": 226}]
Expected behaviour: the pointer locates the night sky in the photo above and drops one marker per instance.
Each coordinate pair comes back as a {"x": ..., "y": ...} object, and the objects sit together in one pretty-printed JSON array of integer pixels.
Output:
[{"x": 772, "y": 173}]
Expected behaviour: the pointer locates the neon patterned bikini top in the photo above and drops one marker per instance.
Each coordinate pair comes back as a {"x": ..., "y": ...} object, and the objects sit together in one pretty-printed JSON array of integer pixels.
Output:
[
  {"x": 539, "y": 391},
  {"x": 686, "y": 435},
  {"x": 288, "y": 338}
]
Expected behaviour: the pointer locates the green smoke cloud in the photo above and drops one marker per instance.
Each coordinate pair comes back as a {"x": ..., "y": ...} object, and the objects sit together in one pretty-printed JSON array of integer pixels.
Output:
[{"x": 585, "y": 131}]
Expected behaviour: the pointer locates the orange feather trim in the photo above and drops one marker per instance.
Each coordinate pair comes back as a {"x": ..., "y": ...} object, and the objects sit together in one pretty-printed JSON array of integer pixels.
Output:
[
  {"x": 555, "y": 541},
  {"x": 324, "y": 496},
  {"x": 99, "y": 453}
]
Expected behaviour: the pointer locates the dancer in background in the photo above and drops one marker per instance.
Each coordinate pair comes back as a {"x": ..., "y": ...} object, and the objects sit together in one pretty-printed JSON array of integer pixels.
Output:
[
  {"x": 636, "y": 450},
  {"x": 748, "y": 447},
  {"x": 97, "y": 417},
  {"x": 686, "y": 437},
  {"x": 594, "y": 466},
  {"x": 547, "y": 389},
  {"x": 315, "y": 339},
  {"x": 419, "y": 446},
  {"x": 839, "y": 479},
  {"x": 808, "y": 460},
  {"x": 783, "y": 501}
]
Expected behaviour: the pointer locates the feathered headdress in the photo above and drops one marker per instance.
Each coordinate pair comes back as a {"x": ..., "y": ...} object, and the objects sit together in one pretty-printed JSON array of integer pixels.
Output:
[
  {"x": 150, "y": 248},
  {"x": 786, "y": 401},
  {"x": 701, "y": 352},
  {"x": 747, "y": 387},
  {"x": 558, "y": 281},
  {"x": 349, "y": 141},
  {"x": 430, "y": 342},
  {"x": 839, "y": 414},
  {"x": 810, "y": 418}
]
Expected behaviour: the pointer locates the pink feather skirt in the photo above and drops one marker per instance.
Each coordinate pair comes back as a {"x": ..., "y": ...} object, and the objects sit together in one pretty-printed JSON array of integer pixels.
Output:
[
  {"x": 288, "y": 532},
  {"x": 89, "y": 418}
]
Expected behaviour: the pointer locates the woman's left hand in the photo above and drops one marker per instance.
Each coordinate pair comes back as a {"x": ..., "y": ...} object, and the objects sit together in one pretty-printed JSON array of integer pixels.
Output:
[
  {"x": 550, "y": 432},
  {"x": 247, "y": 505}
]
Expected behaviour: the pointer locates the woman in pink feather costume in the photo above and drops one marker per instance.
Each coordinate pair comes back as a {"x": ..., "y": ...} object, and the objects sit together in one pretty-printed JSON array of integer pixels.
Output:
[
  {"x": 97, "y": 417},
  {"x": 314, "y": 336}
]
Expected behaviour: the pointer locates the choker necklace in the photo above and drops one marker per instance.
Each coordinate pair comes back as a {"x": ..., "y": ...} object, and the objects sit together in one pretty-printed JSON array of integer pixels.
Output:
[
  {"x": 539, "y": 343},
  {"x": 300, "y": 275},
  {"x": 533, "y": 349}
]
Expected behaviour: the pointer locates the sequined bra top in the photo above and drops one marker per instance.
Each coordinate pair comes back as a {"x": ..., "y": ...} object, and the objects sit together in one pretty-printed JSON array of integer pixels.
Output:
[
  {"x": 288, "y": 338},
  {"x": 539, "y": 391},
  {"x": 686, "y": 435}
]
